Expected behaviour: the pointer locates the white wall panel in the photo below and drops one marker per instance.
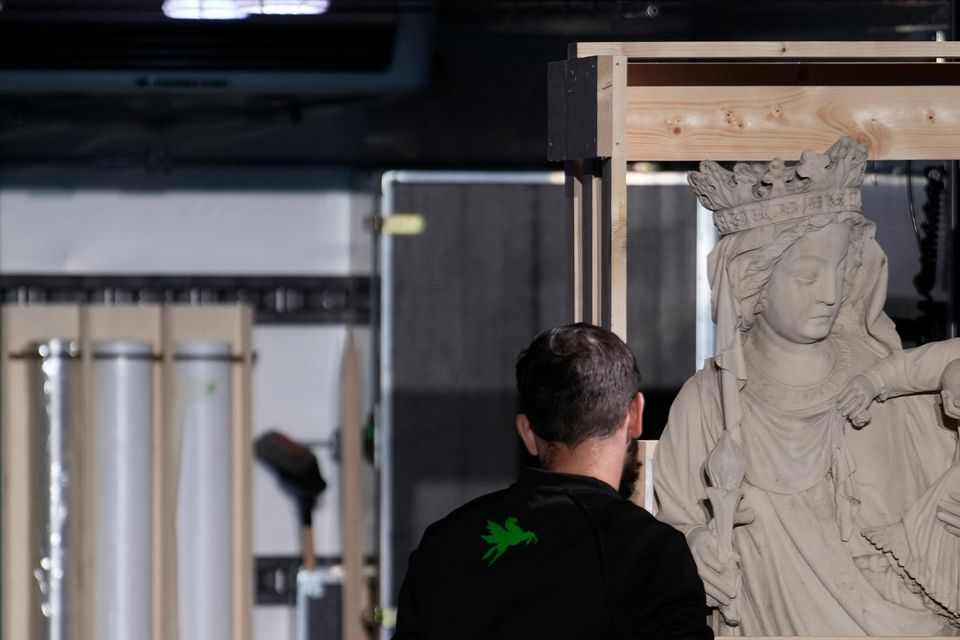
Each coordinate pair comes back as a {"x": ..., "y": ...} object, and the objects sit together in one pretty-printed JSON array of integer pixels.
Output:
[{"x": 245, "y": 222}]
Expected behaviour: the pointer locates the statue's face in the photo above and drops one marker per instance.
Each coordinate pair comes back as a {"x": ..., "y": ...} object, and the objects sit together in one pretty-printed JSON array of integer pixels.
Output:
[{"x": 802, "y": 297}]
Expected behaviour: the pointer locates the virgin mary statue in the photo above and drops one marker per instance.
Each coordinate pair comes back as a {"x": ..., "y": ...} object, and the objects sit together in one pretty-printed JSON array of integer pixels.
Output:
[{"x": 804, "y": 461}]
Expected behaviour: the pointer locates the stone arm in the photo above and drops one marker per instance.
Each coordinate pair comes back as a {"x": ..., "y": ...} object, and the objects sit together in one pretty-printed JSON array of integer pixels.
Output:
[
  {"x": 693, "y": 429},
  {"x": 912, "y": 370}
]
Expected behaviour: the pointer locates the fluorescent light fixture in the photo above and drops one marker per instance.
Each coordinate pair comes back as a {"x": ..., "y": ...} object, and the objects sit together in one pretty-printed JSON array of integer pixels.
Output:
[
  {"x": 284, "y": 7},
  {"x": 203, "y": 10},
  {"x": 240, "y": 9}
]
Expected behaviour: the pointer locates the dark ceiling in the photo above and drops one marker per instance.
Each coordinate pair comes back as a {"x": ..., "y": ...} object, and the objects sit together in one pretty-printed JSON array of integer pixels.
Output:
[{"x": 112, "y": 82}]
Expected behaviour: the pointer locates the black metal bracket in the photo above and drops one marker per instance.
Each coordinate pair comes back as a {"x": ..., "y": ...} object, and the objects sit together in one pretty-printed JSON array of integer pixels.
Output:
[{"x": 275, "y": 299}]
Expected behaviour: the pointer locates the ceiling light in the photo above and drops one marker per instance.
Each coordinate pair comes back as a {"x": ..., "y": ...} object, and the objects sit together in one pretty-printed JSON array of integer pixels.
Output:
[
  {"x": 240, "y": 9},
  {"x": 284, "y": 7},
  {"x": 203, "y": 10}
]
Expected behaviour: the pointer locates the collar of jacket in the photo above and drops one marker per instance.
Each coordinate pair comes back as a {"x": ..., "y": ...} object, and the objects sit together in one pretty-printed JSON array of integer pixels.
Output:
[{"x": 530, "y": 477}]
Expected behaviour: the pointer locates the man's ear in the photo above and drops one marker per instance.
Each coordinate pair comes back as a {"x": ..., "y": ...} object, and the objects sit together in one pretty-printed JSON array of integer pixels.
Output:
[
  {"x": 526, "y": 434},
  {"x": 635, "y": 417}
]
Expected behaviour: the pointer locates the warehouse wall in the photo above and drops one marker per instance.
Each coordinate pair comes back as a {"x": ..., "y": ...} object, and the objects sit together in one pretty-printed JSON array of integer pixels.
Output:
[{"x": 218, "y": 222}]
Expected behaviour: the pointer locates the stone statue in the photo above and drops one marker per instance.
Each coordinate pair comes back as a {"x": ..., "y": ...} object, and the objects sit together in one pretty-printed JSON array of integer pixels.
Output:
[{"x": 809, "y": 463}]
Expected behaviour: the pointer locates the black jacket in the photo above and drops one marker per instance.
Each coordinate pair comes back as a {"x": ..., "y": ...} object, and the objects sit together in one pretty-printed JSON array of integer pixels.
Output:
[{"x": 554, "y": 556}]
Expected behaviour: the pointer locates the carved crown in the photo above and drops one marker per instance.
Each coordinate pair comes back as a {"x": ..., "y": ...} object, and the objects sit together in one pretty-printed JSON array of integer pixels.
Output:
[{"x": 754, "y": 195}]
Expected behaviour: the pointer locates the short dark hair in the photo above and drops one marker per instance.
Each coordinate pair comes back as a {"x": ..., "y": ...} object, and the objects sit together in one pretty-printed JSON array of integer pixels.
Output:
[{"x": 576, "y": 382}]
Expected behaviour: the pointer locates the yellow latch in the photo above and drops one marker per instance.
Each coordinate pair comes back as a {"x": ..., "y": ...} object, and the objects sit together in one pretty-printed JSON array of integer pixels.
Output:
[{"x": 402, "y": 224}]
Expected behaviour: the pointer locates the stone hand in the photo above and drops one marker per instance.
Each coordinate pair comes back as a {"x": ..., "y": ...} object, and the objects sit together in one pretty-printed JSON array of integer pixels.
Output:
[
  {"x": 855, "y": 398},
  {"x": 948, "y": 512},
  {"x": 951, "y": 403},
  {"x": 744, "y": 514},
  {"x": 719, "y": 581}
]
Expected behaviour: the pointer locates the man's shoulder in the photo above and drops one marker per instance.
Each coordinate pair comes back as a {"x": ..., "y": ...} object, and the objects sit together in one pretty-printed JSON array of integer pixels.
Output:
[
  {"x": 467, "y": 511},
  {"x": 627, "y": 526},
  {"x": 625, "y": 512}
]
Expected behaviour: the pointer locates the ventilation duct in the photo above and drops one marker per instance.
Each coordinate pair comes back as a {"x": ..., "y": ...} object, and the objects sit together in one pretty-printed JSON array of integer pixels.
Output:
[{"x": 350, "y": 54}]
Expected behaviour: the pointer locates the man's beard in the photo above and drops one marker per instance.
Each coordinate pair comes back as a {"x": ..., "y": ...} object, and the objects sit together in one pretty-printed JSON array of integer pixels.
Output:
[{"x": 631, "y": 470}]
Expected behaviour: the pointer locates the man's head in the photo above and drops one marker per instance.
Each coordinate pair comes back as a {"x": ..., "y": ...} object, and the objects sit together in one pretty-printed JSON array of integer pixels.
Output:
[{"x": 576, "y": 383}]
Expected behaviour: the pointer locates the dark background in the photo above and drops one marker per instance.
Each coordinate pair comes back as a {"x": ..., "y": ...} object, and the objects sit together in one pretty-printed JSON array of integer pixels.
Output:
[{"x": 467, "y": 86}]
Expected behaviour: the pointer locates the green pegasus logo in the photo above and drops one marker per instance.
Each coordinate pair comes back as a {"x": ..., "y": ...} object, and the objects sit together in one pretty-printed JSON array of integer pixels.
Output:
[{"x": 502, "y": 538}]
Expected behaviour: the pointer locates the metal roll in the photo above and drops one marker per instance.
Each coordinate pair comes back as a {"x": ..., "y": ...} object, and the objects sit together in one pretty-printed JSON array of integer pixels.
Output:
[
  {"x": 121, "y": 393},
  {"x": 203, "y": 497},
  {"x": 52, "y": 463}
]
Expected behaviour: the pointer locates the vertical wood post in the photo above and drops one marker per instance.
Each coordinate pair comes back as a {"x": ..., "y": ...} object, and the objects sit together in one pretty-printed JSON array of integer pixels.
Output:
[
  {"x": 351, "y": 479},
  {"x": 574, "y": 193}
]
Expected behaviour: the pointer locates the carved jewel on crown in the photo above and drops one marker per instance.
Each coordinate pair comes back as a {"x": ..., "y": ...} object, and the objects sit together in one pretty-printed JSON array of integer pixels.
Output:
[{"x": 754, "y": 195}]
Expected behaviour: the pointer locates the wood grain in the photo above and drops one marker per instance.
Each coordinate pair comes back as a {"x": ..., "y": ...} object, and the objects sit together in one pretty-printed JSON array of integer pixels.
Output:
[
  {"x": 759, "y": 123},
  {"x": 574, "y": 192},
  {"x": 351, "y": 483}
]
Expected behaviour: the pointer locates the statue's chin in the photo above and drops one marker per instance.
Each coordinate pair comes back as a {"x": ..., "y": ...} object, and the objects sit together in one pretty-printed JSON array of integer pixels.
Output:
[{"x": 817, "y": 329}]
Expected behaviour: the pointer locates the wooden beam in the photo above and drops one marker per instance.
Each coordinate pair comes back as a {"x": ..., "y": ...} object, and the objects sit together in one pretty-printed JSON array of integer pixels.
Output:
[
  {"x": 759, "y": 123},
  {"x": 597, "y": 261},
  {"x": 615, "y": 228},
  {"x": 583, "y": 96},
  {"x": 611, "y": 81},
  {"x": 351, "y": 496},
  {"x": 889, "y": 50},
  {"x": 574, "y": 193},
  {"x": 611, "y": 107}
]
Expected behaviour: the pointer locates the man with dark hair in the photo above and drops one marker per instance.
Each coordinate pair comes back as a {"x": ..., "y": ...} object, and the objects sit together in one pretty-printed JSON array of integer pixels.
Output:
[{"x": 560, "y": 554}]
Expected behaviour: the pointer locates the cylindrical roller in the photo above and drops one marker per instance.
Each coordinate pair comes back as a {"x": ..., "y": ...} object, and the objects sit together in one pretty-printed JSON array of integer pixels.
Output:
[
  {"x": 203, "y": 496},
  {"x": 121, "y": 394},
  {"x": 52, "y": 462}
]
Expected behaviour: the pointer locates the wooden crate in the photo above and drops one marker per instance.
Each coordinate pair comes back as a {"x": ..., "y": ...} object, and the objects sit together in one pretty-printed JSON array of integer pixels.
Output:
[{"x": 612, "y": 103}]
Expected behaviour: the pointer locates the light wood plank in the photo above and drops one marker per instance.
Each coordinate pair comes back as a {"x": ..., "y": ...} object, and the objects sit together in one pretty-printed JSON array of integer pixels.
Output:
[
  {"x": 759, "y": 123},
  {"x": 241, "y": 474},
  {"x": 773, "y": 50},
  {"x": 164, "y": 610},
  {"x": 351, "y": 483},
  {"x": 610, "y": 84},
  {"x": 574, "y": 188},
  {"x": 596, "y": 246},
  {"x": 611, "y": 134}
]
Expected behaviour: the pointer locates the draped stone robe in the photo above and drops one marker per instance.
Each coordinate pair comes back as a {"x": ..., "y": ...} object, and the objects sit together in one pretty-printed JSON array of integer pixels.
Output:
[{"x": 815, "y": 484}]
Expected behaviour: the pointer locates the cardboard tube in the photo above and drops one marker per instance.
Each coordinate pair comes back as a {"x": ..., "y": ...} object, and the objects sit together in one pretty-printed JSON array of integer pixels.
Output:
[
  {"x": 203, "y": 496},
  {"x": 122, "y": 384},
  {"x": 52, "y": 464}
]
